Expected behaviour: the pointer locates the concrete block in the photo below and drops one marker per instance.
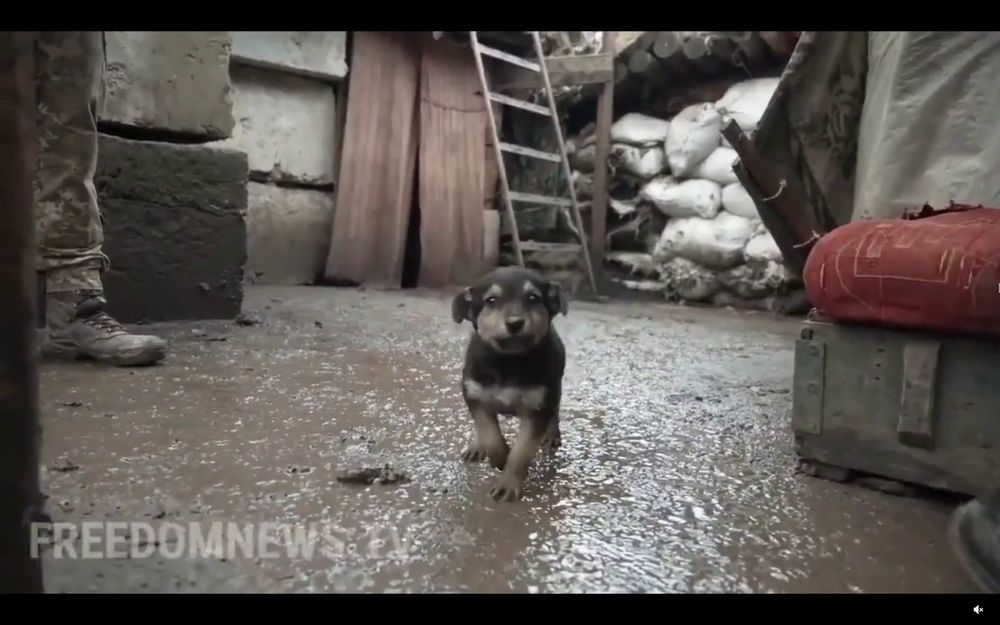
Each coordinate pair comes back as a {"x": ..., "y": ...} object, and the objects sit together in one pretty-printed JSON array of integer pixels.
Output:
[
  {"x": 286, "y": 125},
  {"x": 320, "y": 54},
  {"x": 174, "y": 227},
  {"x": 168, "y": 82},
  {"x": 289, "y": 233}
]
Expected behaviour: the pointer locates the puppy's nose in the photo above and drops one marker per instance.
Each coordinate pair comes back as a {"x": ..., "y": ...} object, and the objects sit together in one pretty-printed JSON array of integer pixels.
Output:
[{"x": 515, "y": 324}]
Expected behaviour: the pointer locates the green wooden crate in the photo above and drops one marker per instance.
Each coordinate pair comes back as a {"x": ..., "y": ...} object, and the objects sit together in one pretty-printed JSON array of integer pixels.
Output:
[{"x": 918, "y": 407}]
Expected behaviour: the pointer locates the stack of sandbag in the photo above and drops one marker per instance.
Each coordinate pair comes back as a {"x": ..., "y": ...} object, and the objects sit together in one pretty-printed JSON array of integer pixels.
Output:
[{"x": 713, "y": 246}]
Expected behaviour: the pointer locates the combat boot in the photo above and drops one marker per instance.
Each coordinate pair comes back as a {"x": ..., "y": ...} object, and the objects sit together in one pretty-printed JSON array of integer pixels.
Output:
[
  {"x": 975, "y": 536},
  {"x": 79, "y": 326}
]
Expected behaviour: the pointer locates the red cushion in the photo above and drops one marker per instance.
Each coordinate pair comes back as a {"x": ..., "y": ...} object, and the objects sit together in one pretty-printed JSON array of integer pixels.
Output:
[{"x": 940, "y": 272}]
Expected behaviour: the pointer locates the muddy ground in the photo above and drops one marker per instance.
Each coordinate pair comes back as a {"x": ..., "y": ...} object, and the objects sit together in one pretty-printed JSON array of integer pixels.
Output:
[{"x": 676, "y": 472}]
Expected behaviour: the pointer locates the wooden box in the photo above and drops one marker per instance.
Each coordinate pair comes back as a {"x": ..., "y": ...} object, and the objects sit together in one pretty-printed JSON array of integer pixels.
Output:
[{"x": 918, "y": 407}]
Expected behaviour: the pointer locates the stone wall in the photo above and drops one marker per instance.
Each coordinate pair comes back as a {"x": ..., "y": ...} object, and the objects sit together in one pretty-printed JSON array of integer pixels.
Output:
[
  {"x": 174, "y": 211},
  {"x": 174, "y": 229},
  {"x": 284, "y": 93}
]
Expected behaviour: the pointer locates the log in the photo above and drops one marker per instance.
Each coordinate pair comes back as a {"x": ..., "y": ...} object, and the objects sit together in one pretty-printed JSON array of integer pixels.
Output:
[
  {"x": 599, "y": 203},
  {"x": 697, "y": 51}
]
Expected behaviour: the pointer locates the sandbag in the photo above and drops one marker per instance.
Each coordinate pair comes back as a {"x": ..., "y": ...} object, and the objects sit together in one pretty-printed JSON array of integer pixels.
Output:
[
  {"x": 639, "y": 129},
  {"x": 737, "y": 201},
  {"x": 718, "y": 167},
  {"x": 583, "y": 184},
  {"x": 641, "y": 162},
  {"x": 762, "y": 249},
  {"x": 757, "y": 280},
  {"x": 581, "y": 158},
  {"x": 693, "y": 134},
  {"x": 939, "y": 272},
  {"x": 691, "y": 198},
  {"x": 713, "y": 243},
  {"x": 636, "y": 263},
  {"x": 746, "y": 101},
  {"x": 687, "y": 280}
]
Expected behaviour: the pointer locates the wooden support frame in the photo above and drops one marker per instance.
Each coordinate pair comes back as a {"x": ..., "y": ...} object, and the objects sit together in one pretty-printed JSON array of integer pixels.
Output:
[{"x": 599, "y": 202}]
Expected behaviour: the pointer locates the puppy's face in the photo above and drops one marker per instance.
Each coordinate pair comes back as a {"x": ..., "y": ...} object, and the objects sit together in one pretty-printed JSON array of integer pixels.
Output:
[{"x": 511, "y": 308}]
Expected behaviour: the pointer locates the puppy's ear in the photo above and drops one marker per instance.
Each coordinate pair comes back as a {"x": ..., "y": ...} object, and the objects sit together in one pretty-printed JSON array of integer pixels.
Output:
[
  {"x": 461, "y": 306},
  {"x": 555, "y": 299}
]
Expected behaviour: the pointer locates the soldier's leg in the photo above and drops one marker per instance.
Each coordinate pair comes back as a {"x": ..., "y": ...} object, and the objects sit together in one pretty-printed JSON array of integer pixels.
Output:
[{"x": 69, "y": 233}]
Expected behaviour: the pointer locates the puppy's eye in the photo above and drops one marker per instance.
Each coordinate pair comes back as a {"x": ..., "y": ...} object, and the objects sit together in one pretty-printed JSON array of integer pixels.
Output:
[
  {"x": 533, "y": 297},
  {"x": 492, "y": 299}
]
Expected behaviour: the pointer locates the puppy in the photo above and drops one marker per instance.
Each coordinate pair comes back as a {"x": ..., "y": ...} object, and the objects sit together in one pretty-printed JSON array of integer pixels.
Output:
[{"x": 514, "y": 366}]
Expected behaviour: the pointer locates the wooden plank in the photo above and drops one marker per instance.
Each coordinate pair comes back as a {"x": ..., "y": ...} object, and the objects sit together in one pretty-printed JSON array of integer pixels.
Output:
[
  {"x": 534, "y": 198},
  {"x": 521, "y": 104},
  {"x": 564, "y": 71},
  {"x": 916, "y": 410},
  {"x": 452, "y": 166},
  {"x": 20, "y": 500},
  {"x": 599, "y": 202},
  {"x": 375, "y": 190},
  {"x": 530, "y": 152},
  {"x": 509, "y": 58}
]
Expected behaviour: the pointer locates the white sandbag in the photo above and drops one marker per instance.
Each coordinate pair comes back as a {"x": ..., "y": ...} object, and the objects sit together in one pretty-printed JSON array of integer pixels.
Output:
[
  {"x": 762, "y": 249},
  {"x": 641, "y": 162},
  {"x": 639, "y": 129},
  {"x": 758, "y": 280},
  {"x": 693, "y": 134},
  {"x": 624, "y": 208},
  {"x": 713, "y": 243},
  {"x": 647, "y": 286},
  {"x": 737, "y": 201},
  {"x": 687, "y": 280},
  {"x": 718, "y": 167},
  {"x": 745, "y": 102},
  {"x": 636, "y": 263},
  {"x": 691, "y": 198}
]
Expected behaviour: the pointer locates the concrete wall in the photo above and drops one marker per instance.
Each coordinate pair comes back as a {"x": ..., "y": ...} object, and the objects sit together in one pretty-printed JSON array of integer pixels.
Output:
[
  {"x": 284, "y": 86},
  {"x": 286, "y": 125},
  {"x": 318, "y": 54},
  {"x": 168, "y": 83}
]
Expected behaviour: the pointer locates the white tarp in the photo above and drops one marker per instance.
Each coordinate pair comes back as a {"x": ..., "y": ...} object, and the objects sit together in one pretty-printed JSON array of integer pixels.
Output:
[{"x": 929, "y": 131}]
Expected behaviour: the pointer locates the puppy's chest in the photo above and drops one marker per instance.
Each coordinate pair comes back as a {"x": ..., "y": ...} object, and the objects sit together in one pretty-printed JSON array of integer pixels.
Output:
[{"x": 506, "y": 398}]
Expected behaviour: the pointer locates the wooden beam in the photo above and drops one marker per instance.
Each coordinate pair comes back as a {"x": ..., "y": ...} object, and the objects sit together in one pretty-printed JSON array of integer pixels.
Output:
[
  {"x": 20, "y": 500},
  {"x": 564, "y": 71},
  {"x": 599, "y": 204}
]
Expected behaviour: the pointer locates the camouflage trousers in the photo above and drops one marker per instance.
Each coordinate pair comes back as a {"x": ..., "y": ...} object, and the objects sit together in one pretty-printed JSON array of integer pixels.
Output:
[{"x": 68, "y": 229}]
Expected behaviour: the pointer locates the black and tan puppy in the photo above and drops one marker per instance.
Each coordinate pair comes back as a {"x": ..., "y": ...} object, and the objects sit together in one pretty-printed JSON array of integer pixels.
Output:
[{"x": 514, "y": 365}]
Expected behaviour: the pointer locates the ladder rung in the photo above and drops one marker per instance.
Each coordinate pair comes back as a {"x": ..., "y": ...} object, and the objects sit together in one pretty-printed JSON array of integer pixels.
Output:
[
  {"x": 542, "y": 246},
  {"x": 534, "y": 198},
  {"x": 510, "y": 58},
  {"x": 532, "y": 152},
  {"x": 521, "y": 104}
]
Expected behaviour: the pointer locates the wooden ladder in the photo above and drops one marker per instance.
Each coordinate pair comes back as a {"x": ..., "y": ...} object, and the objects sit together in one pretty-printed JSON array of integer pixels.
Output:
[{"x": 509, "y": 196}]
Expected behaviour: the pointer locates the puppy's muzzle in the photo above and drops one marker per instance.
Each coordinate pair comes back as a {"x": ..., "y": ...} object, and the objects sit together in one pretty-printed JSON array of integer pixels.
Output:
[{"x": 514, "y": 325}]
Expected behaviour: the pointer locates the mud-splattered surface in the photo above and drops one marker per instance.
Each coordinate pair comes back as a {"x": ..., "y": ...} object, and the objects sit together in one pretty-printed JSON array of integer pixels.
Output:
[{"x": 676, "y": 472}]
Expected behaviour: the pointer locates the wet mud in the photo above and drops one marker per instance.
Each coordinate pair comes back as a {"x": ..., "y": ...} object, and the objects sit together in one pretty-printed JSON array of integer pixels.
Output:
[{"x": 676, "y": 472}]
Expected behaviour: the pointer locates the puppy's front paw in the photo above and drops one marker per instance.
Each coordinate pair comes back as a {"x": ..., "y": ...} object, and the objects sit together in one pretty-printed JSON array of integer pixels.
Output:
[
  {"x": 506, "y": 490},
  {"x": 477, "y": 453},
  {"x": 552, "y": 440}
]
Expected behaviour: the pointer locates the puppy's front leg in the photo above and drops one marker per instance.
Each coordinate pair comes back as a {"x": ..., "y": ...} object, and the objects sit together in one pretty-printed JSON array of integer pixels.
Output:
[
  {"x": 529, "y": 439},
  {"x": 489, "y": 441}
]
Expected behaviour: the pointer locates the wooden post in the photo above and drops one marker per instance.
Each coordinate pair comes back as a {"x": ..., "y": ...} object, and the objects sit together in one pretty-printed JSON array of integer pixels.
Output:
[
  {"x": 599, "y": 204},
  {"x": 19, "y": 430}
]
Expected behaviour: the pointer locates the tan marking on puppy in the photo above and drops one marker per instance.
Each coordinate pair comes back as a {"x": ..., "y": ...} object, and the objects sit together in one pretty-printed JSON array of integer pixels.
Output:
[
  {"x": 489, "y": 441},
  {"x": 507, "y": 399},
  {"x": 529, "y": 439}
]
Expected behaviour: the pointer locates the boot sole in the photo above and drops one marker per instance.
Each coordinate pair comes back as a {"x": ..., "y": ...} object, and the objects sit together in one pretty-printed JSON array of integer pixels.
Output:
[{"x": 960, "y": 540}]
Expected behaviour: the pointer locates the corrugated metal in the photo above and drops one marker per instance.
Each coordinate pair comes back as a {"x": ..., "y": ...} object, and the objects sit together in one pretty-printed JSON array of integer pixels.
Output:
[
  {"x": 452, "y": 165},
  {"x": 375, "y": 191}
]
